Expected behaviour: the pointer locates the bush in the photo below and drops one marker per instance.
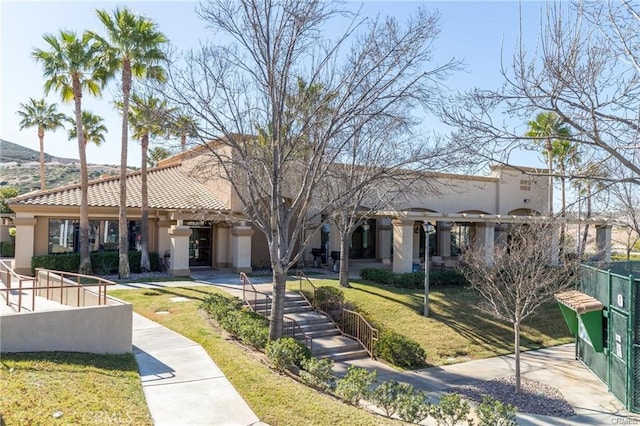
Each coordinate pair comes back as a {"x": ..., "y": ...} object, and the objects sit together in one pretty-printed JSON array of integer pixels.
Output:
[
  {"x": 388, "y": 396},
  {"x": 492, "y": 412},
  {"x": 330, "y": 300},
  {"x": 319, "y": 373},
  {"x": 354, "y": 386},
  {"x": 445, "y": 277},
  {"x": 400, "y": 350},
  {"x": 217, "y": 305},
  {"x": 254, "y": 332},
  {"x": 451, "y": 410},
  {"x": 414, "y": 407},
  {"x": 102, "y": 262},
  {"x": 7, "y": 249},
  {"x": 286, "y": 353}
]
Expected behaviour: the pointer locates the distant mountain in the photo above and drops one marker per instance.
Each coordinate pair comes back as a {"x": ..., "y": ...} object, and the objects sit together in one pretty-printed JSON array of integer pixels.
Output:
[
  {"x": 20, "y": 168},
  {"x": 12, "y": 152}
]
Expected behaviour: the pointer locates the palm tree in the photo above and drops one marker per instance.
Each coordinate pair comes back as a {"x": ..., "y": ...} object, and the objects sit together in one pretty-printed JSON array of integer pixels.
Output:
[
  {"x": 148, "y": 118},
  {"x": 73, "y": 64},
  {"x": 156, "y": 154},
  {"x": 565, "y": 153},
  {"x": 93, "y": 128},
  {"x": 546, "y": 128},
  {"x": 184, "y": 126},
  {"x": 135, "y": 52},
  {"x": 37, "y": 113}
]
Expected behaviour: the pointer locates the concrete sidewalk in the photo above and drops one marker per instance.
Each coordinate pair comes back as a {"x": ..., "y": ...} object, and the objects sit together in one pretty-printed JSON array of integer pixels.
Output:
[
  {"x": 555, "y": 366},
  {"x": 181, "y": 384}
]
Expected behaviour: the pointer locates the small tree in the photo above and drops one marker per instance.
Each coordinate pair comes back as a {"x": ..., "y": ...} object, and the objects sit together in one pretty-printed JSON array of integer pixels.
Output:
[{"x": 520, "y": 278}]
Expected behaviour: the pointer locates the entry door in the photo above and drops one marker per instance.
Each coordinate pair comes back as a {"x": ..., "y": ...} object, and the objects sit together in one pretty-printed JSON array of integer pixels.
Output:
[{"x": 200, "y": 247}]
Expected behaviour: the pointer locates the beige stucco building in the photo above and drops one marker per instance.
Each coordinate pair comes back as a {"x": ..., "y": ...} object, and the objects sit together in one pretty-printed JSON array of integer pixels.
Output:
[{"x": 198, "y": 222}]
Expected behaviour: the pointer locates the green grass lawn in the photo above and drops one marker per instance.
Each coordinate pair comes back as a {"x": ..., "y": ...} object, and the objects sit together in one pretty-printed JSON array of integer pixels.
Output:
[
  {"x": 71, "y": 388},
  {"x": 276, "y": 399},
  {"x": 456, "y": 329}
]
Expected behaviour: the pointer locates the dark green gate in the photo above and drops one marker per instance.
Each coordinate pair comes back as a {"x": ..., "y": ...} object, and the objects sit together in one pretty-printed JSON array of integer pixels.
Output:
[{"x": 617, "y": 360}]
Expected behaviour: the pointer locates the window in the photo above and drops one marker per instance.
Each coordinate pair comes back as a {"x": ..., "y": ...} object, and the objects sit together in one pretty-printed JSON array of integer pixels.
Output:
[
  {"x": 64, "y": 235},
  {"x": 460, "y": 237},
  {"x": 525, "y": 185}
]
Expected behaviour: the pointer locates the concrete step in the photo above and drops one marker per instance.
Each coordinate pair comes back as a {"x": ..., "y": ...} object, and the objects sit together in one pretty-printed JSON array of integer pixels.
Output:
[
  {"x": 322, "y": 333},
  {"x": 308, "y": 317},
  {"x": 334, "y": 345},
  {"x": 346, "y": 355}
]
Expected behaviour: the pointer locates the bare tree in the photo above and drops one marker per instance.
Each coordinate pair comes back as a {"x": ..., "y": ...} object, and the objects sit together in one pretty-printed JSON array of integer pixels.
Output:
[
  {"x": 585, "y": 69},
  {"x": 520, "y": 279},
  {"x": 626, "y": 201},
  {"x": 240, "y": 94}
]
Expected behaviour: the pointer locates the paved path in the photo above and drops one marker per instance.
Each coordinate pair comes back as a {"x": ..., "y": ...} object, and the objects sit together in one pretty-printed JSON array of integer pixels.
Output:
[{"x": 181, "y": 384}]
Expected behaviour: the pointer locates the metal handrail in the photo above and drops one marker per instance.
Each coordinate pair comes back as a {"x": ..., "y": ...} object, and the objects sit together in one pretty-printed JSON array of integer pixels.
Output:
[
  {"x": 290, "y": 327},
  {"x": 267, "y": 299},
  {"x": 61, "y": 276},
  {"x": 351, "y": 324}
]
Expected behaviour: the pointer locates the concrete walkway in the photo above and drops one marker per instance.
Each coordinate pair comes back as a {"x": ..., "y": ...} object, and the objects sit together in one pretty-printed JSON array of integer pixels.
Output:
[
  {"x": 181, "y": 384},
  {"x": 184, "y": 386}
]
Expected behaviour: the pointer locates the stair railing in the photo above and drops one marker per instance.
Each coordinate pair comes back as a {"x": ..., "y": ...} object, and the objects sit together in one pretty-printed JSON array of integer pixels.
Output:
[
  {"x": 350, "y": 323},
  {"x": 261, "y": 303},
  {"x": 257, "y": 301}
]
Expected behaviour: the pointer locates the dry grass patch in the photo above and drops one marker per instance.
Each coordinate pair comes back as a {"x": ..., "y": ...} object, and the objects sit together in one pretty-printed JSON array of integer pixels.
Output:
[{"x": 68, "y": 388}]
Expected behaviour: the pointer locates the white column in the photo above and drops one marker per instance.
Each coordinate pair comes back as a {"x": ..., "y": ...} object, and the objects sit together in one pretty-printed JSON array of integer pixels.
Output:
[
  {"x": 241, "y": 248},
  {"x": 384, "y": 239},
  {"x": 179, "y": 236},
  {"x": 485, "y": 240},
  {"x": 25, "y": 242},
  {"x": 603, "y": 242},
  {"x": 444, "y": 238},
  {"x": 402, "y": 245}
]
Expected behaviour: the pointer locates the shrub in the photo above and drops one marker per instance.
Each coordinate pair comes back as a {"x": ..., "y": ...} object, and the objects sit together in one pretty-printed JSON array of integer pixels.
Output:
[
  {"x": 414, "y": 407},
  {"x": 451, "y": 410},
  {"x": 388, "y": 396},
  {"x": 7, "y": 249},
  {"x": 254, "y": 332},
  {"x": 400, "y": 350},
  {"x": 355, "y": 384},
  {"x": 330, "y": 300},
  {"x": 492, "y": 412},
  {"x": 217, "y": 305},
  {"x": 319, "y": 373},
  {"x": 102, "y": 262},
  {"x": 413, "y": 279},
  {"x": 285, "y": 353}
]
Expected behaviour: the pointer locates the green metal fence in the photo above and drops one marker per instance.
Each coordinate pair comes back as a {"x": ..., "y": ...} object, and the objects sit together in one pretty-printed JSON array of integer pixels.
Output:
[{"x": 619, "y": 364}]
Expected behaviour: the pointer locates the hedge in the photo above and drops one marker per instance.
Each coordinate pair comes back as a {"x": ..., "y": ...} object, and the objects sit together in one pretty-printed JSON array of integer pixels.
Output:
[
  {"x": 444, "y": 277},
  {"x": 7, "y": 249},
  {"x": 102, "y": 262}
]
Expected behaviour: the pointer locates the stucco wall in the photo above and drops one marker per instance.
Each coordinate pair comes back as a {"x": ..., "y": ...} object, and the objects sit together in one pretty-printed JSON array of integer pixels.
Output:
[{"x": 100, "y": 329}]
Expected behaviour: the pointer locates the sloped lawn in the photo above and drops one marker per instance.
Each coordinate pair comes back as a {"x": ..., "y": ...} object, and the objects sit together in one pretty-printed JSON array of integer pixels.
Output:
[
  {"x": 276, "y": 399},
  {"x": 456, "y": 330}
]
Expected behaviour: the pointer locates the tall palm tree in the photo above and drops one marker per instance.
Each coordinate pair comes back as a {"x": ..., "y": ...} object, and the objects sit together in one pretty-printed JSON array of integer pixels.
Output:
[
  {"x": 93, "y": 128},
  {"x": 148, "y": 118},
  {"x": 71, "y": 65},
  {"x": 565, "y": 154},
  {"x": 546, "y": 128},
  {"x": 156, "y": 154},
  {"x": 37, "y": 113},
  {"x": 184, "y": 126},
  {"x": 135, "y": 51}
]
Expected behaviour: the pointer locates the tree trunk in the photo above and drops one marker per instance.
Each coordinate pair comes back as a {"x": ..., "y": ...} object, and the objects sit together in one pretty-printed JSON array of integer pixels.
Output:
[
  {"x": 145, "y": 264},
  {"x": 344, "y": 259},
  {"x": 123, "y": 228},
  {"x": 277, "y": 308},
  {"x": 562, "y": 213},
  {"x": 550, "y": 167},
  {"x": 585, "y": 234},
  {"x": 516, "y": 332},
  {"x": 85, "y": 258},
  {"x": 41, "y": 138}
]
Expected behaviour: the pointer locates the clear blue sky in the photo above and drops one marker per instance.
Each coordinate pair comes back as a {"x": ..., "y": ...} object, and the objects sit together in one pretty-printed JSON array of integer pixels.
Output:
[{"x": 472, "y": 31}]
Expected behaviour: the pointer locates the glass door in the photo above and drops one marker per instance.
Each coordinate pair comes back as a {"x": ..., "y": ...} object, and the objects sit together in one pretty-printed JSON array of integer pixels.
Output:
[{"x": 200, "y": 247}]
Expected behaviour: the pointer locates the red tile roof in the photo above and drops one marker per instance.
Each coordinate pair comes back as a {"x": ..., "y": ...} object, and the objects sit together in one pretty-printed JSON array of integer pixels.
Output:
[{"x": 169, "y": 188}]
